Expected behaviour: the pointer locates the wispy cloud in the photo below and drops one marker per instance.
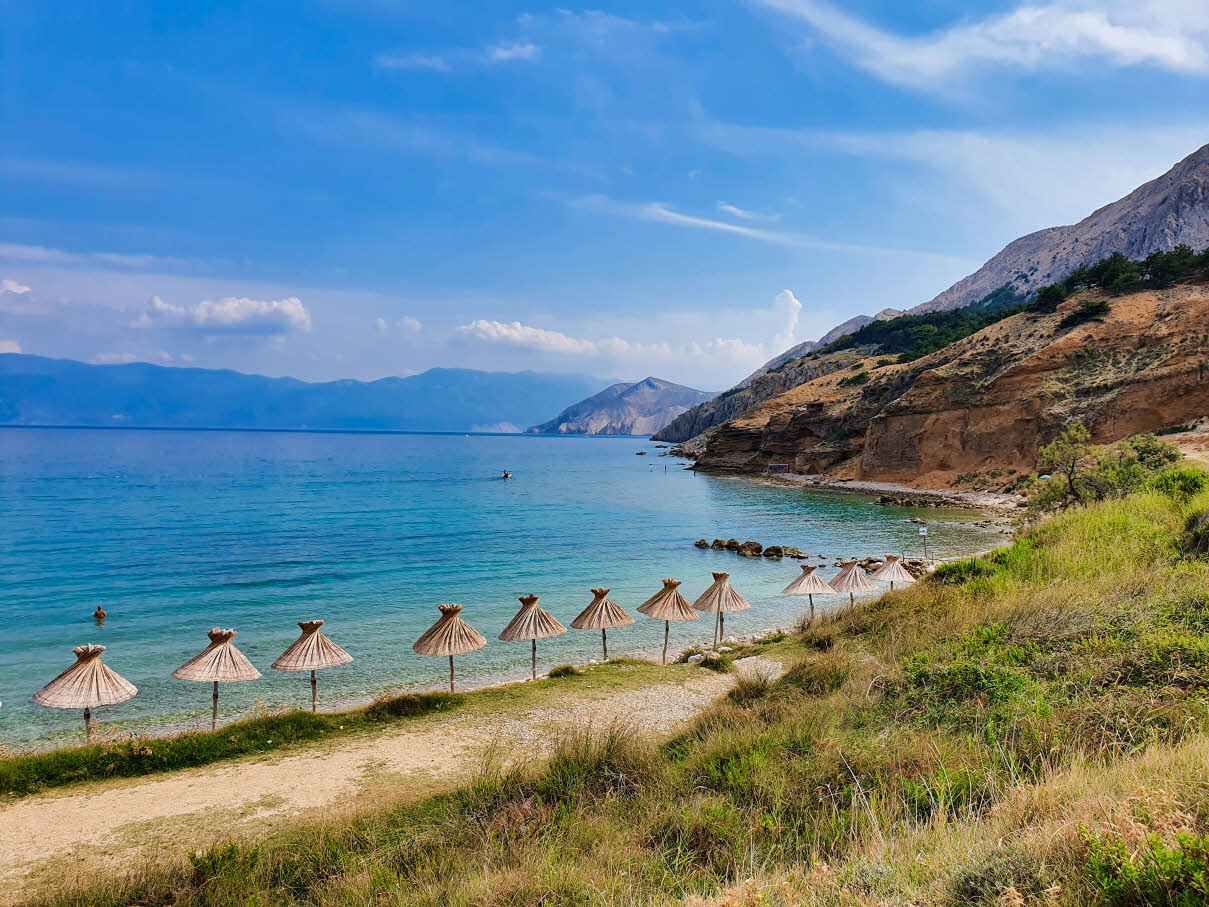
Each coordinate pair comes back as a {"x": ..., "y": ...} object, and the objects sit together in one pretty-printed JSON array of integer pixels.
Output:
[
  {"x": 1167, "y": 34},
  {"x": 9, "y": 346},
  {"x": 43, "y": 255},
  {"x": 114, "y": 358},
  {"x": 12, "y": 286},
  {"x": 232, "y": 315},
  {"x": 520, "y": 51},
  {"x": 658, "y": 212},
  {"x": 405, "y": 325},
  {"x": 743, "y": 213}
]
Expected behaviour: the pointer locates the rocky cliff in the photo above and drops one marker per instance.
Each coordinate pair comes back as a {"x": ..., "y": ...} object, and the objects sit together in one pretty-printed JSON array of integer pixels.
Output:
[
  {"x": 625, "y": 409},
  {"x": 983, "y": 405}
]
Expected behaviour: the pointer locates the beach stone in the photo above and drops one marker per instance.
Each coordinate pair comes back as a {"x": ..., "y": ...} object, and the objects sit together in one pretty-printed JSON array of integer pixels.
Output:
[
  {"x": 701, "y": 543},
  {"x": 725, "y": 649},
  {"x": 696, "y": 659},
  {"x": 732, "y": 544},
  {"x": 750, "y": 549},
  {"x": 775, "y": 551},
  {"x": 719, "y": 545}
]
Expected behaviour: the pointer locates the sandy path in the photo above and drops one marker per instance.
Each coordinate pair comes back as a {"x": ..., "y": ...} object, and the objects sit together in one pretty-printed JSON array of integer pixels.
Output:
[{"x": 125, "y": 823}]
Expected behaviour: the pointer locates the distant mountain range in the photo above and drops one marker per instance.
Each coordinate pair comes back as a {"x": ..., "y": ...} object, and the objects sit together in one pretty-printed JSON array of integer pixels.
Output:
[
  {"x": 1155, "y": 217},
  {"x": 641, "y": 408},
  {"x": 39, "y": 391}
]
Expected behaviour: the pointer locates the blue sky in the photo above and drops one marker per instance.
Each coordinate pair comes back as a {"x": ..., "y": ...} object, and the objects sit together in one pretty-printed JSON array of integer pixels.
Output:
[{"x": 357, "y": 189}]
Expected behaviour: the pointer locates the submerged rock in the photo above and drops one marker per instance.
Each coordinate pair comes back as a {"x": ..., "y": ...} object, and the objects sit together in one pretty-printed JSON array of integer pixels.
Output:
[
  {"x": 750, "y": 549},
  {"x": 701, "y": 543}
]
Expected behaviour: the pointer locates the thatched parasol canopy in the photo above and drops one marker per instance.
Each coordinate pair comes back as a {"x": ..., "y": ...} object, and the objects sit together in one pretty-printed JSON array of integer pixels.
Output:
[
  {"x": 531, "y": 623},
  {"x": 449, "y": 636},
  {"x": 87, "y": 684},
  {"x": 809, "y": 584},
  {"x": 603, "y": 614},
  {"x": 312, "y": 651},
  {"x": 219, "y": 662},
  {"x": 892, "y": 572},
  {"x": 852, "y": 579},
  {"x": 667, "y": 605},
  {"x": 720, "y": 599}
]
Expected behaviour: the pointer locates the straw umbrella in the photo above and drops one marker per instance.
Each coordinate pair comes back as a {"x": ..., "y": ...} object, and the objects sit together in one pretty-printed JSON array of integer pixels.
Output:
[
  {"x": 85, "y": 685},
  {"x": 667, "y": 605},
  {"x": 720, "y": 599},
  {"x": 312, "y": 651},
  {"x": 809, "y": 584},
  {"x": 219, "y": 662},
  {"x": 892, "y": 572},
  {"x": 531, "y": 623},
  {"x": 602, "y": 615},
  {"x": 852, "y": 579},
  {"x": 449, "y": 636}
]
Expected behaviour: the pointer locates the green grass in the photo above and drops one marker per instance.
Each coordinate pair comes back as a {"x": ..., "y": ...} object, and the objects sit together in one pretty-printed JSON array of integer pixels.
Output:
[{"x": 1008, "y": 728}]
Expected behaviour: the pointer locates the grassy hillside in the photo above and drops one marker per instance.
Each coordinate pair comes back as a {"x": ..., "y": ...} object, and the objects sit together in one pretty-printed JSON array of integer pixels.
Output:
[{"x": 1027, "y": 728}]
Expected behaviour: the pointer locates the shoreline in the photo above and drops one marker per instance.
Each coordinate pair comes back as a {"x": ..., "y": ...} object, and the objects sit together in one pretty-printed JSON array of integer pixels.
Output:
[{"x": 895, "y": 492}]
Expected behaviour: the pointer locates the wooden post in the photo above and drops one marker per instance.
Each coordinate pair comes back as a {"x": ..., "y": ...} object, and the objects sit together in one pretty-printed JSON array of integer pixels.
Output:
[
  {"x": 214, "y": 715},
  {"x": 451, "y": 686},
  {"x": 88, "y": 726},
  {"x": 604, "y": 641},
  {"x": 810, "y": 595},
  {"x": 535, "y": 659},
  {"x": 667, "y": 628},
  {"x": 717, "y": 620},
  {"x": 721, "y": 626},
  {"x": 314, "y": 692}
]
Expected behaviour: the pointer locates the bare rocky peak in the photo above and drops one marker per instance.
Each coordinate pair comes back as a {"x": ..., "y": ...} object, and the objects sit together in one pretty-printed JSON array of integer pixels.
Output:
[
  {"x": 641, "y": 408},
  {"x": 1155, "y": 217}
]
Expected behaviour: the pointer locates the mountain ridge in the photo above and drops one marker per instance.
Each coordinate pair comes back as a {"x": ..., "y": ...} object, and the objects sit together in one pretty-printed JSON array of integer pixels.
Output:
[
  {"x": 36, "y": 390},
  {"x": 641, "y": 408},
  {"x": 1162, "y": 213}
]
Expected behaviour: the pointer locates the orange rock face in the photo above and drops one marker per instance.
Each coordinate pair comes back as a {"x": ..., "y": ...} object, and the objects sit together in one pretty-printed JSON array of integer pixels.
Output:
[{"x": 986, "y": 403}]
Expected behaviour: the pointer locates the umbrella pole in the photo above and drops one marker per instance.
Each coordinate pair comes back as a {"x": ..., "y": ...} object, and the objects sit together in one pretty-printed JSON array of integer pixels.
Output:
[
  {"x": 717, "y": 620},
  {"x": 811, "y": 597},
  {"x": 214, "y": 714},
  {"x": 451, "y": 687},
  {"x": 721, "y": 626},
  {"x": 851, "y": 601},
  {"x": 535, "y": 659},
  {"x": 314, "y": 692},
  {"x": 88, "y": 726},
  {"x": 667, "y": 628},
  {"x": 604, "y": 641}
]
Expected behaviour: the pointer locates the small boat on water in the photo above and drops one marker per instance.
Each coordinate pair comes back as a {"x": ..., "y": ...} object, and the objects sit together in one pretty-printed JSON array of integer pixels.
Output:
[{"x": 506, "y": 475}]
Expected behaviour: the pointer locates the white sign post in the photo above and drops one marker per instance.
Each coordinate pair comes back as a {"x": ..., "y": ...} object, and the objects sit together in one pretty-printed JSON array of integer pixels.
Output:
[{"x": 923, "y": 534}]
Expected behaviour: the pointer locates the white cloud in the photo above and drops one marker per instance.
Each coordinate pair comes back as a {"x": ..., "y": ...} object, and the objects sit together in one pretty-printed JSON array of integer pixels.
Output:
[
  {"x": 9, "y": 346},
  {"x": 743, "y": 213},
  {"x": 778, "y": 323},
  {"x": 114, "y": 358},
  {"x": 232, "y": 315},
  {"x": 658, "y": 212},
  {"x": 11, "y": 286},
  {"x": 517, "y": 50},
  {"x": 42, "y": 255},
  {"x": 788, "y": 303},
  {"x": 1167, "y": 34},
  {"x": 405, "y": 325},
  {"x": 461, "y": 58}
]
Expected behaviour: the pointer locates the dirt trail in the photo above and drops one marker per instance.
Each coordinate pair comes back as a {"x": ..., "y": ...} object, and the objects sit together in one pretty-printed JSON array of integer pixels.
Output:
[{"x": 123, "y": 824}]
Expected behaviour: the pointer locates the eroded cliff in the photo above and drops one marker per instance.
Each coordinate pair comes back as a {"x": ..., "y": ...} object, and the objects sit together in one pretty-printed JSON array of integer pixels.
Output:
[{"x": 984, "y": 404}]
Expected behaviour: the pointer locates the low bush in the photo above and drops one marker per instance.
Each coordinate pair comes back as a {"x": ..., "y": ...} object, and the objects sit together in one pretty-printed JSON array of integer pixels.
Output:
[
  {"x": 1182, "y": 483},
  {"x": 1158, "y": 874}
]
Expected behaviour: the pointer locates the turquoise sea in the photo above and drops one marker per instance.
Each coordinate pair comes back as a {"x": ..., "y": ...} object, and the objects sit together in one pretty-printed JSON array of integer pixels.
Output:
[{"x": 174, "y": 532}]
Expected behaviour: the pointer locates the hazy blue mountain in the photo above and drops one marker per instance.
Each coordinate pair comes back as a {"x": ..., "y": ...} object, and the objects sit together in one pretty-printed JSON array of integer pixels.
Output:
[
  {"x": 39, "y": 391},
  {"x": 642, "y": 408}
]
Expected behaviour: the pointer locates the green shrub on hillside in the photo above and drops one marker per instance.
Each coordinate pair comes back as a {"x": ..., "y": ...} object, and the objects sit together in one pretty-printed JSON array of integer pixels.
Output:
[
  {"x": 1081, "y": 472},
  {"x": 1181, "y": 483}
]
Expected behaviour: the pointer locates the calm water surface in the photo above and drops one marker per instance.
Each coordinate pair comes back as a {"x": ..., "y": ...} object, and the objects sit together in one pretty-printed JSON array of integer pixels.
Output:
[{"x": 174, "y": 532}]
